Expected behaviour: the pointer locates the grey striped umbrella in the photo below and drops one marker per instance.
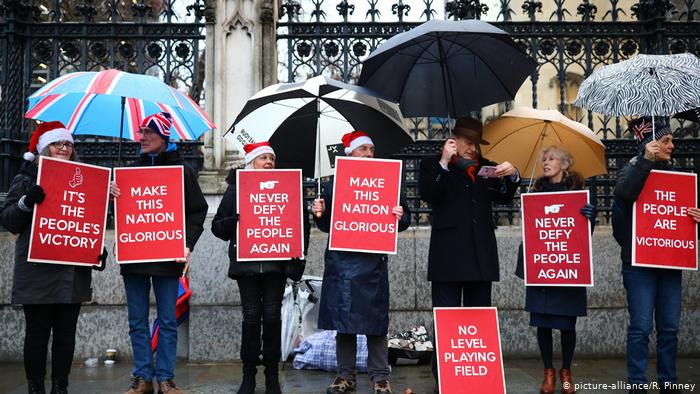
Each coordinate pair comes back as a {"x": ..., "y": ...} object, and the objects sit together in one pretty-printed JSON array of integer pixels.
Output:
[{"x": 645, "y": 85}]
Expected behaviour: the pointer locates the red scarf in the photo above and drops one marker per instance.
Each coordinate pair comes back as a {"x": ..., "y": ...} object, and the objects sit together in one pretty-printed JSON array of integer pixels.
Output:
[{"x": 471, "y": 170}]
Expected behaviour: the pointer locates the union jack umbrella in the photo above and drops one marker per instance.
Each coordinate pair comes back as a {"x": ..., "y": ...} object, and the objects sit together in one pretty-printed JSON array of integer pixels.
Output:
[{"x": 113, "y": 103}]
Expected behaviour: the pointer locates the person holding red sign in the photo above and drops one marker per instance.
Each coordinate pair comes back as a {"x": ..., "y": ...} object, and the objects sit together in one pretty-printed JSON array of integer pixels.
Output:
[
  {"x": 50, "y": 294},
  {"x": 355, "y": 292},
  {"x": 461, "y": 186},
  {"x": 653, "y": 294},
  {"x": 261, "y": 283},
  {"x": 553, "y": 307},
  {"x": 158, "y": 150}
]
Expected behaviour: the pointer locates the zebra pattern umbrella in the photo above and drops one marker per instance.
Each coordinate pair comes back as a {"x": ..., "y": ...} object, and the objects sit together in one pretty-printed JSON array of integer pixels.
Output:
[
  {"x": 645, "y": 85},
  {"x": 305, "y": 121}
]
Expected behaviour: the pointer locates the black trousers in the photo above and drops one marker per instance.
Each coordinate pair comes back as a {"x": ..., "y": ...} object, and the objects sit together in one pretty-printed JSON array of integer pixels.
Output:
[
  {"x": 456, "y": 294},
  {"x": 261, "y": 297},
  {"x": 41, "y": 321}
]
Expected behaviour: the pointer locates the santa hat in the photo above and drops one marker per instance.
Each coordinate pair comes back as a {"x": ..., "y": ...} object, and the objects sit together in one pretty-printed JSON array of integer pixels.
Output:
[
  {"x": 160, "y": 123},
  {"x": 254, "y": 150},
  {"x": 354, "y": 139},
  {"x": 642, "y": 130},
  {"x": 44, "y": 135}
]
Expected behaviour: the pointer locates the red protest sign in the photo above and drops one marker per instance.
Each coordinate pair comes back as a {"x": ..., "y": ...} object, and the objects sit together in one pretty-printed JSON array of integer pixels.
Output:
[
  {"x": 556, "y": 239},
  {"x": 149, "y": 214},
  {"x": 68, "y": 226},
  {"x": 364, "y": 193},
  {"x": 468, "y": 345},
  {"x": 270, "y": 215},
  {"x": 663, "y": 235}
]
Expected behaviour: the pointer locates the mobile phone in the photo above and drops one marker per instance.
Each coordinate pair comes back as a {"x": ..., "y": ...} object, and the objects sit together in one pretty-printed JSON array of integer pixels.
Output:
[{"x": 487, "y": 172}]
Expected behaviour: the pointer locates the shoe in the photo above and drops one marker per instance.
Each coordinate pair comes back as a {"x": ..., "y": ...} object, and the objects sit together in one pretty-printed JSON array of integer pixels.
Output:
[
  {"x": 272, "y": 383},
  {"x": 250, "y": 355},
  {"x": 168, "y": 387},
  {"x": 382, "y": 387},
  {"x": 36, "y": 387},
  {"x": 567, "y": 383},
  {"x": 548, "y": 382},
  {"x": 340, "y": 386},
  {"x": 59, "y": 386},
  {"x": 248, "y": 383},
  {"x": 140, "y": 386},
  {"x": 271, "y": 354}
]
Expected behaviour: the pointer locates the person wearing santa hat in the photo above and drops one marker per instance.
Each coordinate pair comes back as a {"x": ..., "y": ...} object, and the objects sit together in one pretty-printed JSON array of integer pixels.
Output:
[
  {"x": 158, "y": 150},
  {"x": 50, "y": 294},
  {"x": 261, "y": 283},
  {"x": 355, "y": 294},
  {"x": 653, "y": 294}
]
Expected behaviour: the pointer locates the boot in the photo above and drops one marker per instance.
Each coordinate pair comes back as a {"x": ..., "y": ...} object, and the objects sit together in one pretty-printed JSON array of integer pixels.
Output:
[
  {"x": 548, "y": 382},
  {"x": 272, "y": 351},
  {"x": 567, "y": 383},
  {"x": 36, "y": 387},
  {"x": 59, "y": 386},
  {"x": 250, "y": 350}
]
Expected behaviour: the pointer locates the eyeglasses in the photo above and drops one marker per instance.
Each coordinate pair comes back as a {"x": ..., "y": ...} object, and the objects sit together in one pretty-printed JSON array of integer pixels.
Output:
[{"x": 62, "y": 144}]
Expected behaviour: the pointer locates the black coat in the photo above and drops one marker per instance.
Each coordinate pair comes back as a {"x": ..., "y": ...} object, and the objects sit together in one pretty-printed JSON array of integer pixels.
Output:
[
  {"x": 355, "y": 292},
  {"x": 555, "y": 300},
  {"x": 224, "y": 227},
  {"x": 629, "y": 184},
  {"x": 195, "y": 212},
  {"x": 39, "y": 283},
  {"x": 462, "y": 239}
]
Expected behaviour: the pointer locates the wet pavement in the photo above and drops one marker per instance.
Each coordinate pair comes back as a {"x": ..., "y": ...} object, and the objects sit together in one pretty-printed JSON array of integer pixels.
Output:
[{"x": 522, "y": 376}]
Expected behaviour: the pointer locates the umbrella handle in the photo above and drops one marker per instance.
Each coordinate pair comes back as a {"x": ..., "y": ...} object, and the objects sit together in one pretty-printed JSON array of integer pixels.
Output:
[{"x": 318, "y": 196}]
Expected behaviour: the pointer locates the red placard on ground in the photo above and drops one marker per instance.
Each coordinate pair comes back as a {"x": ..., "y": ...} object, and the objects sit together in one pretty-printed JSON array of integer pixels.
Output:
[
  {"x": 69, "y": 225},
  {"x": 364, "y": 193},
  {"x": 270, "y": 215},
  {"x": 663, "y": 235},
  {"x": 468, "y": 349},
  {"x": 149, "y": 214},
  {"x": 557, "y": 247}
]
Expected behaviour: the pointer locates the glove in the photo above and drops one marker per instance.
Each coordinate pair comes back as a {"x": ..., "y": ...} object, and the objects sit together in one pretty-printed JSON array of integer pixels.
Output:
[
  {"x": 590, "y": 211},
  {"x": 34, "y": 195},
  {"x": 103, "y": 261}
]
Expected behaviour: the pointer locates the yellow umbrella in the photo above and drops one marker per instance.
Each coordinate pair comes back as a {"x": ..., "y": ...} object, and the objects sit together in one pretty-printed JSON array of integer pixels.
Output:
[{"x": 518, "y": 136}]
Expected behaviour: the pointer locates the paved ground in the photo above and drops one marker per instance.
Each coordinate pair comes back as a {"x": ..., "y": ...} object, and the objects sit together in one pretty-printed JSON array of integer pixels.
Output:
[{"x": 522, "y": 376}]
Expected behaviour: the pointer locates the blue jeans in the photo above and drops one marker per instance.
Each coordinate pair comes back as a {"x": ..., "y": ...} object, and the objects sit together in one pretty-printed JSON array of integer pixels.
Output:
[
  {"x": 652, "y": 294},
  {"x": 165, "y": 288}
]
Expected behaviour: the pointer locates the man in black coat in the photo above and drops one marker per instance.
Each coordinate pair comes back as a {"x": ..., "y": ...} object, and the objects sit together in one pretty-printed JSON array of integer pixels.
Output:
[
  {"x": 157, "y": 150},
  {"x": 653, "y": 294},
  {"x": 463, "y": 256}
]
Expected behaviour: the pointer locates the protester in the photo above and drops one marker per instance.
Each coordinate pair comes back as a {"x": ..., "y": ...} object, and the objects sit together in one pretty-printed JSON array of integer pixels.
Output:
[
  {"x": 50, "y": 294},
  {"x": 261, "y": 283},
  {"x": 557, "y": 307},
  {"x": 463, "y": 256},
  {"x": 355, "y": 293},
  {"x": 653, "y": 294},
  {"x": 157, "y": 150}
]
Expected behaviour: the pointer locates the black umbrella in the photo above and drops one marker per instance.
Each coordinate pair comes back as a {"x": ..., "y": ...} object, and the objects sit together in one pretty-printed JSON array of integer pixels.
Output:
[
  {"x": 692, "y": 115},
  {"x": 447, "y": 67}
]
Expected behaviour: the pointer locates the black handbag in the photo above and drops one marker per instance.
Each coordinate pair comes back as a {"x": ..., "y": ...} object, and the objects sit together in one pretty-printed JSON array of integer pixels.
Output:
[{"x": 519, "y": 269}]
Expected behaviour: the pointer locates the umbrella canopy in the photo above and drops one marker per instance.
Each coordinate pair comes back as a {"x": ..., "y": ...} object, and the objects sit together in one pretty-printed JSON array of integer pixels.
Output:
[
  {"x": 692, "y": 115},
  {"x": 305, "y": 121},
  {"x": 90, "y": 103},
  {"x": 645, "y": 85},
  {"x": 518, "y": 136},
  {"x": 447, "y": 67}
]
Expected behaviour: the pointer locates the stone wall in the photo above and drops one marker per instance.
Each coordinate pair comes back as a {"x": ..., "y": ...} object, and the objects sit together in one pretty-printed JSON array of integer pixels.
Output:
[{"x": 213, "y": 333}]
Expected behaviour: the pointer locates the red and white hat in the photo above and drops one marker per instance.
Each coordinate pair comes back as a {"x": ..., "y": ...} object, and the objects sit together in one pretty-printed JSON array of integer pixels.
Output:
[
  {"x": 254, "y": 150},
  {"x": 160, "y": 123},
  {"x": 44, "y": 135},
  {"x": 354, "y": 139}
]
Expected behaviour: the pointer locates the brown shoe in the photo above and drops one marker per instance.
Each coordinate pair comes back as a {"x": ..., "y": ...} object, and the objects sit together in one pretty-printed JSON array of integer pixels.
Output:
[
  {"x": 382, "y": 387},
  {"x": 140, "y": 386},
  {"x": 567, "y": 383},
  {"x": 340, "y": 386},
  {"x": 549, "y": 381},
  {"x": 168, "y": 387}
]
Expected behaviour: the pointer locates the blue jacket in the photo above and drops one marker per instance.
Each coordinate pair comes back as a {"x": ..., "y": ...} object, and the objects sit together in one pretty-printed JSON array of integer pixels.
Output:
[{"x": 355, "y": 292}]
